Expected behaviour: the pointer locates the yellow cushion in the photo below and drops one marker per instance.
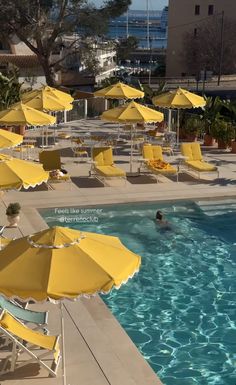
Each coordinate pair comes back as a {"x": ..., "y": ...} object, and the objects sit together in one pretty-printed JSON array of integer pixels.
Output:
[
  {"x": 51, "y": 159},
  {"x": 157, "y": 152},
  {"x": 98, "y": 157},
  {"x": 152, "y": 152},
  {"x": 19, "y": 149},
  {"x": 186, "y": 150},
  {"x": 23, "y": 332},
  {"x": 110, "y": 171},
  {"x": 162, "y": 167},
  {"x": 107, "y": 157},
  {"x": 61, "y": 177},
  {"x": 201, "y": 165},
  {"x": 196, "y": 151},
  {"x": 147, "y": 151}
]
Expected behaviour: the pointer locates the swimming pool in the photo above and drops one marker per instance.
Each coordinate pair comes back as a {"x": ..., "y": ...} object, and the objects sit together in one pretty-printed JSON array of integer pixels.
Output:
[{"x": 180, "y": 309}]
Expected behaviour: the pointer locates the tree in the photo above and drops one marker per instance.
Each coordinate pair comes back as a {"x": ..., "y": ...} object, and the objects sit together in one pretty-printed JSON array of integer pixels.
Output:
[
  {"x": 9, "y": 90},
  {"x": 125, "y": 47},
  {"x": 41, "y": 25},
  {"x": 202, "y": 48}
]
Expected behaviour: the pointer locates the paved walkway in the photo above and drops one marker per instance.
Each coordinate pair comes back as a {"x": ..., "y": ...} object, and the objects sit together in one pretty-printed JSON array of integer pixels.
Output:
[{"x": 98, "y": 351}]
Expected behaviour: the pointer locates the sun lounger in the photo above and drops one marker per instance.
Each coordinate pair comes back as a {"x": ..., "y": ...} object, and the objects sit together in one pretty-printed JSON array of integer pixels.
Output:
[
  {"x": 24, "y": 340},
  {"x": 154, "y": 162},
  {"x": 25, "y": 315},
  {"x": 103, "y": 165},
  {"x": 194, "y": 160},
  {"x": 51, "y": 161}
]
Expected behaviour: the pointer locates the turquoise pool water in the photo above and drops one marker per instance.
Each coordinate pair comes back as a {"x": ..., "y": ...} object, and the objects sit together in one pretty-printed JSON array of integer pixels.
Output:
[{"x": 179, "y": 309}]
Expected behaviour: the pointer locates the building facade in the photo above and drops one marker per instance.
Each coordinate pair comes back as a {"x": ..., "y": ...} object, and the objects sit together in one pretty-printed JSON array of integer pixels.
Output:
[{"x": 185, "y": 16}]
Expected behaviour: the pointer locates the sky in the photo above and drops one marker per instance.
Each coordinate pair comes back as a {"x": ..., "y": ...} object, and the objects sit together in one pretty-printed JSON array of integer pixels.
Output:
[{"x": 141, "y": 4}]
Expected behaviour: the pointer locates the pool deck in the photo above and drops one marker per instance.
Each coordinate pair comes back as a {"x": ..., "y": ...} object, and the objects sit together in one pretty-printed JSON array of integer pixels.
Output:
[{"x": 98, "y": 351}]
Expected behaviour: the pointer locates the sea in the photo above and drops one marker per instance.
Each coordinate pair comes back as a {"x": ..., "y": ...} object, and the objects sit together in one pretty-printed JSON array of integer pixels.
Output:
[{"x": 137, "y": 26}]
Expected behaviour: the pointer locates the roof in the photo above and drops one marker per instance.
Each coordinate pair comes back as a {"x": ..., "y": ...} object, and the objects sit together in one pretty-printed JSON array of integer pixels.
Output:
[{"x": 20, "y": 61}]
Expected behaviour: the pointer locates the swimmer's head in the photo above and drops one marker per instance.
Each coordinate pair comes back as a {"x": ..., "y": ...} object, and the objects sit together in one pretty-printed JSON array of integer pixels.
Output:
[{"x": 159, "y": 215}]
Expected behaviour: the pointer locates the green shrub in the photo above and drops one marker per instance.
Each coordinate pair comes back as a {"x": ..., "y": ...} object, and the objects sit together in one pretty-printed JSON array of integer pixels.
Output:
[{"x": 13, "y": 209}]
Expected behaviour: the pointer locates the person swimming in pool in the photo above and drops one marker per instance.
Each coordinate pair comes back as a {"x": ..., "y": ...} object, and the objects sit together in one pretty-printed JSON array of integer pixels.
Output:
[{"x": 163, "y": 223}]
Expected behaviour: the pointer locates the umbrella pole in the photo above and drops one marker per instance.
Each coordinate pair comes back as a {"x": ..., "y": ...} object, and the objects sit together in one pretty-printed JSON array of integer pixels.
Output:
[
  {"x": 169, "y": 119},
  {"x": 178, "y": 128},
  {"x": 63, "y": 344},
  {"x": 131, "y": 149}
]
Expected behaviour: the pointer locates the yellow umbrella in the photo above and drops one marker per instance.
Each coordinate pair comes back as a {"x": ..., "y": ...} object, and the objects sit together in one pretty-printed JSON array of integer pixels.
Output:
[
  {"x": 49, "y": 91},
  {"x": 119, "y": 91},
  {"x": 179, "y": 99},
  {"x": 20, "y": 115},
  {"x": 132, "y": 113},
  {"x": 46, "y": 102},
  {"x": 60, "y": 263},
  {"x": 9, "y": 139},
  {"x": 16, "y": 173}
]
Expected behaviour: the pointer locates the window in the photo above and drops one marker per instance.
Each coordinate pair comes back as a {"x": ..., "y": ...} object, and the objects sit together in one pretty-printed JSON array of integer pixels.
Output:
[
  {"x": 195, "y": 32},
  {"x": 197, "y": 9},
  {"x": 210, "y": 9}
]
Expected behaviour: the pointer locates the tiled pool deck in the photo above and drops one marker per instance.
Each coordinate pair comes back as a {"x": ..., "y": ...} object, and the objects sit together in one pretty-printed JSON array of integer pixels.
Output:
[{"x": 98, "y": 351}]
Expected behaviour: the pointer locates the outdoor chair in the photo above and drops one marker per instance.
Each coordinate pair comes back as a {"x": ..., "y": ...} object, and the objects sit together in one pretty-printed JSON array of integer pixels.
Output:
[
  {"x": 39, "y": 347},
  {"x": 51, "y": 161},
  {"x": 194, "y": 160},
  {"x": 27, "y": 316},
  {"x": 3, "y": 240},
  {"x": 103, "y": 165},
  {"x": 154, "y": 162}
]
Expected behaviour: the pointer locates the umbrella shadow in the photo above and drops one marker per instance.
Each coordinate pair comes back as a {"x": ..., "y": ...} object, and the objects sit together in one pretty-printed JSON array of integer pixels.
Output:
[{"x": 87, "y": 182}]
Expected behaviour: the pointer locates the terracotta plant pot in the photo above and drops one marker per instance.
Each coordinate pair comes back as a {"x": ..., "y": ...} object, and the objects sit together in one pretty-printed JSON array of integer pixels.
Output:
[
  {"x": 233, "y": 145},
  {"x": 13, "y": 220},
  {"x": 209, "y": 140},
  {"x": 222, "y": 145}
]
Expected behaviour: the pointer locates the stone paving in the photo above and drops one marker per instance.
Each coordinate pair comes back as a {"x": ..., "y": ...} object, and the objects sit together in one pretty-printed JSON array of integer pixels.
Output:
[{"x": 98, "y": 351}]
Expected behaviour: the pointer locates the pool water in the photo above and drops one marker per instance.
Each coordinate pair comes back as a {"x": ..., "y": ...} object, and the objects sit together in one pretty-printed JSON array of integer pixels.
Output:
[{"x": 179, "y": 309}]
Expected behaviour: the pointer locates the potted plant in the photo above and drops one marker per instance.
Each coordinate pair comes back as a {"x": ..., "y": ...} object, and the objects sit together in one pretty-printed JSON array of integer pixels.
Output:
[
  {"x": 233, "y": 141},
  {"x": 212, "y": 112},
  {"x": 192, "y": 128},
  {"x": 223, "y": 131},
  {"x": 12, "y": 212}
]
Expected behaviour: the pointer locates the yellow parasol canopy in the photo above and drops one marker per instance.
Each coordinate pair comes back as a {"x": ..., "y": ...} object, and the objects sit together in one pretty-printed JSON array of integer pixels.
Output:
[
  {"x": 9, "y": 139},
  {"x": 132, "y": 113},
  {"x": 119, "y": 91},
  {"x": 16, "y": 173},
  {"x": 20, "y": 115},
  {"x": 50, "y": 91},
  {"x": 179, "y": 99},
  {"x": 46, "y": 102},
  {"x": 62, "y": 263}
]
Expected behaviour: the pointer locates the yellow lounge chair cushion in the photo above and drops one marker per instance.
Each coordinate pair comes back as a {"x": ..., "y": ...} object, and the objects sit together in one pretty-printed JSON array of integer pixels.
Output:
[
  {"x": 103, "y": 156},
  {"x": 162, "y": 167},
  {"x": 61, "y": 177},
  {"x": 196, "y": 151},
  {"x": 50, "y": 159},
  {"x": 21, "y": 331},
  {"x": 186, "y": 150},
  {"x": 110, "y": 171},
  {"x": 199, "y": 165},
  {"x": 152, "y": 152}
]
